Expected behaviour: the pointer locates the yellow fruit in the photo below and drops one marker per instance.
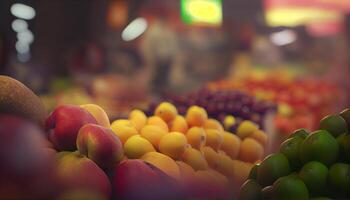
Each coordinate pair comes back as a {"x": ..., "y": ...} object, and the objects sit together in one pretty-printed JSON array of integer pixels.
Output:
[
  {"x": 211, "y": 177},
  {"x": 241, "y": 171},
  {"x": 231, "y": 144},
  {"x": 213, "y": 124},
  {"x": 210, "y": 156},
  {"x": 166, "y": 111},
  {"x": 260, "y": 136},
  {"x": 179, "y": 124},
  {"x": 99, "y": 114},
  {"x": 229, "y": 121},
  {"x": 251, "y": 150},
  {"x": 123, "y": 132},
  {"x": 121, "y": 122},
  {"x": 153, "y": 134},
  {"x": 186, "y": 171},
  {"x": 164, "y": 163},
  {"x": 196, "y": 116},
  {"x": 222, "y": 152},
  {"x": 138, "y": 119},
  {"x": 214, "y": 138},
  {"x": 219, "y": 177},
  {"x": 195, "y": 159},
  {"x": 246, "y": 128},
  {"x": 196, "y": 137},
  {"x": 173, "y": 144},
  {"x": 136, "y": 146},
  {"x": 224, "y": 165},
  {"x": 157, "y": 121}
]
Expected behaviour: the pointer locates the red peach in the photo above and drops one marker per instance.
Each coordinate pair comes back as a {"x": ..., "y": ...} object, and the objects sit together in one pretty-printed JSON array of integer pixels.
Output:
[
  {"x": 100, "y": 144},
  {"x": 64, "y": 123}
]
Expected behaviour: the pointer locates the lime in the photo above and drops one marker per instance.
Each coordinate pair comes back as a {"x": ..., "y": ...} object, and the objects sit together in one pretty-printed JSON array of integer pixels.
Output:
[
  {"x": 253, "y": 172},
  {"x": 346, "y": 115},
  {"x": 290, "y": 188},
  {"x": 267, "y": 193},
  {"x": 334, "y": 124},
  {"x": 290, "y": 148},
  {"x": 303, "y": 133},
  {"x": 339, "y": 177},
  {"x": 319, "y": 146},
  {"x": 344, "y": 147},
  {"x": 314, "y": 174},
  {"x": 271, "y": 168},
  {"x": 250, "y": 190}
]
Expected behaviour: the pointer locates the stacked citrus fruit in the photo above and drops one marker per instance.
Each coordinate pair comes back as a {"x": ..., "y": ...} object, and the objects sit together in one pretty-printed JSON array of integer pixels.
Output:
[
  {"x": 191, "y": 145},
  {"x": 309, "y": 165}
]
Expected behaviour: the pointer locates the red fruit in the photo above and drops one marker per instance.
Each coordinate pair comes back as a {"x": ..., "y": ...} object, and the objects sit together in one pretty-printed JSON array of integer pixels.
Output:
[{"x": 64, "y": 123}]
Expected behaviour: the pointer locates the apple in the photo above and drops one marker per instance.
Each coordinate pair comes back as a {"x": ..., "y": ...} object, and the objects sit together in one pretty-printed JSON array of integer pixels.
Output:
[
  {"x": 136, "y": 179},
  {"x": 77, "y": 173},
  {"x": 63, "y": 125},
  {"x": 100, "y": 144}
]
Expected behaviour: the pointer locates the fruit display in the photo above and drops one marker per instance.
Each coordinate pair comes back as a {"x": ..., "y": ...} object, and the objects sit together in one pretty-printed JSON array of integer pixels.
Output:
[
  {"x": 230, "y": 107},
  {"x": 302, "y": 102},
  {"x": 312, "y": 165},
  {"x": 80, "y": 154}
]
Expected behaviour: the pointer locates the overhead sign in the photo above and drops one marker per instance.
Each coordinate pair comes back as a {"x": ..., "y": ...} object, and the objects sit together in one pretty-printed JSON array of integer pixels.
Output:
[{"x": 201, "y": 12}]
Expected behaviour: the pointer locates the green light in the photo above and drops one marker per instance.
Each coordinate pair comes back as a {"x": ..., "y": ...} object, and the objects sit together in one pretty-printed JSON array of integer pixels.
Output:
[{"x": 201, "y": 12}]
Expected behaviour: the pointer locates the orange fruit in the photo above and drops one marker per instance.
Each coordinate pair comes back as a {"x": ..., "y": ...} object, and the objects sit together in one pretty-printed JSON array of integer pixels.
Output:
[
  {"x": 196, "y": 116},
  {"x": 173, "y": 144},
  {"x": 260, "y": 136},
  {"x": 231, "y": 144},
  {"x": 211, "y": 156},
  {"x": 213, "y": 124},
  {"x": 179, "y": 124},
  {"x": 186, "y": 171},
  {"x": 166, "y": 111},
  {"x": 136, "y": 146},
  {"x": 163, "y": 162},
  {"x": 98, "y": 113},
  {"x": 124, "y": 132},
  {"x": 153, "y": 134},
  {"x": 195, "y": 159},
  {"x": 196, "y": 137},
  {"x": 214, "y": 138},
  {"x": 251, "y": 150},
  {"x": 157, "y": 121},
  {"x": 246, "y": 128},
  {"x": 138, "y": 119},
  {"x": 241, "y": 170}
]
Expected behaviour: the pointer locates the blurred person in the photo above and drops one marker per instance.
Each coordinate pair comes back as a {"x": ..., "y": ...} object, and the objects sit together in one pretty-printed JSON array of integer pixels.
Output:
[{"x": 160, "y": 49}]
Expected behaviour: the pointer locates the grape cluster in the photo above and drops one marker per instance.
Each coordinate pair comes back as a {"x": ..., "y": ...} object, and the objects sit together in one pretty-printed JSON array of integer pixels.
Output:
[{"x": 221, "y": 103}]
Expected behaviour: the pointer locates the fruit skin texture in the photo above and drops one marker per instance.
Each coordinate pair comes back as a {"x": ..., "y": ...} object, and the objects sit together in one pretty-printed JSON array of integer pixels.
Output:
[
  {"x": 251, "y": 150},
  {"x": 196, "y": 137},
  {"x": 214, "y": 138},
  {"x": 138, "y": 119},
  {"x": 196, "y": 116},
  {"x": 136, "y": 179},
  {"x": 166, "y": 111},
  {"x": 339, "y": 178},
  {"x": 153, "y": 134},
  {"x": 334, "y": 124},
  {"x": 163, "y": 162},
  {"x": 246, "y": 128},
  {"x": 64, "y": 123},
  {"x": 100, "y": 144},
  {"x": 157, "y": 121},
  {"x": 314, "y": 175},
  {"x": 271, "y": 168},
  {"x": 26, "y": 161},
  {"x": 290, "y": 148},
  {"x": 231, "y": 144},
  {"x": 123, "y": 131},
  {"x": 173, "y": 144},
  {"x": 290, "y": 188},
  {"x": 319, "y": 146},
  {"x": 99, "y": 114},
  {"x": 17, "y": 99},
  {"x": 179, "y": 124},
  {"x": 195, "y": 159},
  {"x": 78, "y": 173},
  {"x": 136, "y": 146},
  {"x": 250, "y": 190}
]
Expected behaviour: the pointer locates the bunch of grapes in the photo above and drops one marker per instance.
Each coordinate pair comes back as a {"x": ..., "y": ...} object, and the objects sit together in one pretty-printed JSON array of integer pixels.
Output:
[{"x": 222, "y": 103}]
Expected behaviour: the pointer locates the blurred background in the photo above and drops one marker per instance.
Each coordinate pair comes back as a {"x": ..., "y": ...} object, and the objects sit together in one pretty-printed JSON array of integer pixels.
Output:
[{"x": 292, "y": 55}]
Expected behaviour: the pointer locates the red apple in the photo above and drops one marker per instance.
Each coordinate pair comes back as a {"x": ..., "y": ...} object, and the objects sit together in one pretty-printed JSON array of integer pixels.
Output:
[
  {"x": 101, "y": 145},
  {"x": 136, "y": 179},
  {"x": 78, "y": 173},
  {"x": 26, "y": 164},
  {"x": 64, "y": 123}
]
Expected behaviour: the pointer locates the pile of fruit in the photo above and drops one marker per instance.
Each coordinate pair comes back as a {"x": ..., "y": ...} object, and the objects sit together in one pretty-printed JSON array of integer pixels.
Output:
[
  {"x": 76, "y": 153},
  {"x": 296, "y": 97},
  {"x": 223, "y": 105},
  {"x": 308, "y": 166}
]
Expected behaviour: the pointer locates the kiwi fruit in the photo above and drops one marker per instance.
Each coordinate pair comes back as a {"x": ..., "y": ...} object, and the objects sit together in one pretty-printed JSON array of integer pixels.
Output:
[{"x": 17, "y": 99}]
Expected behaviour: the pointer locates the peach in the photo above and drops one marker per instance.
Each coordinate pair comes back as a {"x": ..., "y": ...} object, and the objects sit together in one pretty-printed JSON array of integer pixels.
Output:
[
  {"x": 26, "y": 163},
  {"x": 99, "y": 114},
  {"x": 136, "y": 179},
  {"x": 64, "y": 123},
  {"x": 78, "y": 173},
  {"x": 100, "y": 144}
]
